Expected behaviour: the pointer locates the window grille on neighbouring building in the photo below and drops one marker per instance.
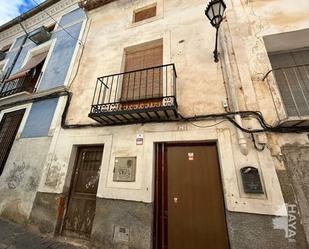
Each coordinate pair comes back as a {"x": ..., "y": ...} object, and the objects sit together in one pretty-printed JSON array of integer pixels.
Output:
[
  {"x": 8, "y": 128},
  {"x": 291, "y": 70}
]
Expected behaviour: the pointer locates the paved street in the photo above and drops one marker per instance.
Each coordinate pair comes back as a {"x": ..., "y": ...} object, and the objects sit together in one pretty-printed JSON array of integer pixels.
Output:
[{"x": 13, "y": 236}]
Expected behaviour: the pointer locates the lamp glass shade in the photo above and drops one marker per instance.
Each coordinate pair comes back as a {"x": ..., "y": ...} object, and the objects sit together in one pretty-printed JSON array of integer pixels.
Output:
[{"x": 215, "y": 11}]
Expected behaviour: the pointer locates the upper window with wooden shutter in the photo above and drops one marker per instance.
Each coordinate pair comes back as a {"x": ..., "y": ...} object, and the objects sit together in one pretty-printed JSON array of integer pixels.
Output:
[
  {"x": 144, "y": 58},
  {"x": 147, "y": 83},
  {"x": 145, "y": 13},
  {"x": 291, "y": 70}
]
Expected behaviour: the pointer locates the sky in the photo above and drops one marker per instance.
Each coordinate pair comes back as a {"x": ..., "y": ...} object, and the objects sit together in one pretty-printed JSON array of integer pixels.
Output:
[{"x": 10, "y": 9}]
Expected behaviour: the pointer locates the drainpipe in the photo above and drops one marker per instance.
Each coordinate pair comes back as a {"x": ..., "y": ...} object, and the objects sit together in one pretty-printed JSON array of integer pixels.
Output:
[{"x": 231, "y": 87}]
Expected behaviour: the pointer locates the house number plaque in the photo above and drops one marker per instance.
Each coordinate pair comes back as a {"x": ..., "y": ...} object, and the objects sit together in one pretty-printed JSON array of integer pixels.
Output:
[{"x": 251, "y": 180}]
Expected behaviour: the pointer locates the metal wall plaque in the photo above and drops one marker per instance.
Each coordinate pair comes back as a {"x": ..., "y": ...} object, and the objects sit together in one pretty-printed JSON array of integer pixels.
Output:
[
  {"x": 121, "y": 234},
  {"x": 251, "y": 180},
  {"x": 124, "y": 170}
]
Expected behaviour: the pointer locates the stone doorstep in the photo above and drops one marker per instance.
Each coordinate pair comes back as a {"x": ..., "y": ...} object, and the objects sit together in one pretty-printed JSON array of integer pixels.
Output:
[{"x": 81, "y": 244}]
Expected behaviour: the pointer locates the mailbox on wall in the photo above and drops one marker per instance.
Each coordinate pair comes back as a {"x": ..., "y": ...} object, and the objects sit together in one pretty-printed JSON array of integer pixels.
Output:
[
  {"x": 124, "y": 169},
  {"x": 251, "y": 180}
]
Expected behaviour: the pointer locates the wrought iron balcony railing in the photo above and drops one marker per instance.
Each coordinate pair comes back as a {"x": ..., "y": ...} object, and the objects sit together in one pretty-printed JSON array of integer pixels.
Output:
[
  {"x": 293, "y": 91},
  {"x": 137, "y": 96},
  {"x": 23, "y": 84}
]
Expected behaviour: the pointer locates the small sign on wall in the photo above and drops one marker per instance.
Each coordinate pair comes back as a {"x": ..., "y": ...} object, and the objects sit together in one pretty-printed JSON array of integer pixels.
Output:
[
  {"x": 251, "y": 180},
  {"x": 191, "y": 156},
  {"x": 139, "y": 139},
  {"x": 124, "y": 169}
]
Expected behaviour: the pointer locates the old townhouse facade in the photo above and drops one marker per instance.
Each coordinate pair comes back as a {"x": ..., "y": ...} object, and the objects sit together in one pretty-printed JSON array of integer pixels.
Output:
[
  {"x": 148, "y": 142},
  {"x": 37, "y": 59}
]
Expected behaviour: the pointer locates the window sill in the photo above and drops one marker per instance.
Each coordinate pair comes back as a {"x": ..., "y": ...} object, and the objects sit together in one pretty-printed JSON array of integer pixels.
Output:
[
  {"x": 15, "y": 97},
  {"x": 146, "y": 21},
  {"x": 294, "y": 121}
]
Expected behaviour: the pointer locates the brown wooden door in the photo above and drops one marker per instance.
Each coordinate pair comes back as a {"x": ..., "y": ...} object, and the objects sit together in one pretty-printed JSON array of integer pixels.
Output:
[
  {"x": 143, "y": 84},
  {"x": 82, "y": 200},
  {"x": 189, "y": 199}
]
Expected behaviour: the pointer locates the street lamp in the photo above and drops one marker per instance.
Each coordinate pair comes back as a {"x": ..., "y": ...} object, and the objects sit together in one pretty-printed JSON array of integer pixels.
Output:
[{"x": 214, "y": 12}]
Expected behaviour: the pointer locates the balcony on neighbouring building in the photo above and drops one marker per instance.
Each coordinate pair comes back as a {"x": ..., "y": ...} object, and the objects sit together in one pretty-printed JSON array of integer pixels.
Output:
[
  {"x": 26, "y": 78},
  {"x": 145, "y": 95},
  {"x": 17, "y": 85},
  {"x": 290, "y": 94}
]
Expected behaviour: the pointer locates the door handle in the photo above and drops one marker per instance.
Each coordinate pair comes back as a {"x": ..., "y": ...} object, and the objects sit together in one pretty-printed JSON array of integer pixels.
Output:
[{"x": 175, "y": 200}]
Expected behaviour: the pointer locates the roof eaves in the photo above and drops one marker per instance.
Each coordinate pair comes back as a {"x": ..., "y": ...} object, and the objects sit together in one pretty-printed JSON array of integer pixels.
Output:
[
  {"x": 93, "y": 4},
  {"x": 28, "y": 14}
]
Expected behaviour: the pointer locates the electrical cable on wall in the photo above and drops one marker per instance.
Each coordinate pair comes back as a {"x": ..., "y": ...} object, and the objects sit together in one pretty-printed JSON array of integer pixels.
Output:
[
  {"x": 228, "y": 116},
  {"x": 22, "y": 26},
  {"x": 255, "y": 145},
  {"x": 207, "y": 126}
]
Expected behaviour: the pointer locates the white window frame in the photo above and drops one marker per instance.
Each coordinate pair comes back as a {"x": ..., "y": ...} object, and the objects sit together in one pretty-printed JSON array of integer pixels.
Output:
[
  {"x": 24, "y": 119},
  {"x": 46, "y": 46},
  {"x": 3, "y": 65}
]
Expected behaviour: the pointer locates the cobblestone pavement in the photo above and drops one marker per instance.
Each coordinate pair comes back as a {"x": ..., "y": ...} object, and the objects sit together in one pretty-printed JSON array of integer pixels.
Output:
[{"x": 13, "y": 236}]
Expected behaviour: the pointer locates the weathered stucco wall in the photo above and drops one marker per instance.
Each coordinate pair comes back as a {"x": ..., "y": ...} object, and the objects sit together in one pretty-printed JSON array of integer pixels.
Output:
[
  {"x": 277, "y": 16},
  {"x": 120, "y": 142},
  {"x": 248, "y": 24},
  {"x": 21, "y": 176},
  {"x": 187, "y": 42},
  {"x": 297, "y": 162}
]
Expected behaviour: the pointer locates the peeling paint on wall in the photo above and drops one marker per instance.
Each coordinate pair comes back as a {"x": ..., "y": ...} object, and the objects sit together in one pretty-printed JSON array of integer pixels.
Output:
[
  {"x": 54, "y": 173},
  {"x": 33, "y": 181},
  {"x": 16, "y": 176}
]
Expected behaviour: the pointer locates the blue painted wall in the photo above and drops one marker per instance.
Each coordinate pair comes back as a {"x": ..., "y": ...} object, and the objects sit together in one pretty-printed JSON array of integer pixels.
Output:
[
  {"x": 42, "y": 112},
  {"x": 40, "y": 118},
  {"x": 59, "y": 63},
  {"x": 73, "y": 16}
]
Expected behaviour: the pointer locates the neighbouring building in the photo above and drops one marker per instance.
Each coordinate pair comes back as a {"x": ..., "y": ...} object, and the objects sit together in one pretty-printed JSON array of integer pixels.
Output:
[
  {"x": 37, "y": 60},
  {"x": 134, "y": 138}
]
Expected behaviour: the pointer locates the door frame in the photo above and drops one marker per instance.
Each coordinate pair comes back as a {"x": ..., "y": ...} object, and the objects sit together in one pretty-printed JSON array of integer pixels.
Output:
[
  {"x": 156, "y": 222},
  {"x": 65, "y": 198}
]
